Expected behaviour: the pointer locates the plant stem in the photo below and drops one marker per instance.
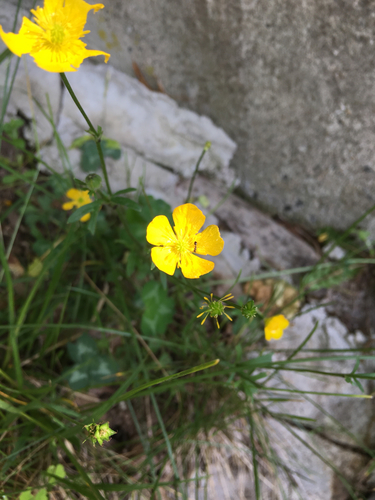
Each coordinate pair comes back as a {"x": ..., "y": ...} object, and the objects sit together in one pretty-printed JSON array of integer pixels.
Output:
[
  {"x": 205, "y": 149},
  {"x": 94, "y": 133}
]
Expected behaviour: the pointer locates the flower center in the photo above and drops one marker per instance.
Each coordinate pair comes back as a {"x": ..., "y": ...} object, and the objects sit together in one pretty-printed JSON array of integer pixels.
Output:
[
  {"x": 182, "y": 246},
  {"x": 57, "y": 34},
  {"x": 81, "y": 201}
]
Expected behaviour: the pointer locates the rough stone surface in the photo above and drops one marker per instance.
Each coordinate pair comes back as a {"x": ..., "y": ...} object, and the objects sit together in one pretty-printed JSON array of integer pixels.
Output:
[
  {"x": 267, "y": 240},
  {"x": 290, "y": 81},
  {"x": 309, "y": 477},
  {"x": 149, "y": 123},
  {"x": 354, "y": 414}
]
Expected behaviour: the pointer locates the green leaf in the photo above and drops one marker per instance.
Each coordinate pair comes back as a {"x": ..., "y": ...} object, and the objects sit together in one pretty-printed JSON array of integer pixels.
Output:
[
  {"x": 91, "y": 225},
  {"x": 56, "y": 470},
  {"x": 4, "y": 55},
  {"x": 26, "y": 495},
  {"x": 90, "y": 161},
  {"x": 92, "y": 368},
  {"x": 81, "y": 211},
  {"x": 126, "y": 202},
  {"x": 159, "y": 309},
  {"x": 124, "y": 191},
  {"x": 83, "y": 349},
  {"x": 41, "y": 495},
  {"x": 80, "y": 141}
]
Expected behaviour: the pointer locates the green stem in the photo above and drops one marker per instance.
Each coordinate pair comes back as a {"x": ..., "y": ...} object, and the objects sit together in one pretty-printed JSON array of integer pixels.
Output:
[
  {"x": 205, "y": 149},
  {"x": 93, "y": 132}
]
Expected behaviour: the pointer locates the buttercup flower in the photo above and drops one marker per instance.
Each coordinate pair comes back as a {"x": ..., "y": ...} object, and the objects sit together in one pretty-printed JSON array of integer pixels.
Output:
[
  {"x": 54, "y": 41},
  {"x": 215, "y": 308},
  {"x": 79, "y": 198},
  {"x": 275, "y": 326},
  {"x": 181, "y": 245}
]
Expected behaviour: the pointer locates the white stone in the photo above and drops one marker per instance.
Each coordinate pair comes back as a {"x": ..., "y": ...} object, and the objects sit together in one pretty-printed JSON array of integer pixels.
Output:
[
  {"x": 313, "y": 479},
  {"x": 360, "y": 337},
  {"x": 337, "y": 253},
  {"x": 355, "y": 414},
  {"x": 32, "y": 86},
  {"x": 234, "y": 258},
  {"x": 150, "y": 123}
]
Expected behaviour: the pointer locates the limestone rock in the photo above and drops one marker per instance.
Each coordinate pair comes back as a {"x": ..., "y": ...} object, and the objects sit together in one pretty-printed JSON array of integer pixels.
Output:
[
  {"x": 330, "y": 413},
  {"x": 310, "y": 477}
]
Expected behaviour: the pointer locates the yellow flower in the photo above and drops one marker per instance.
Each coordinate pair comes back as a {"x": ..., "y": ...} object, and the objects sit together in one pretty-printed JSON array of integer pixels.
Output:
[
  {"x": 54, "y": 41},
  {"x": 79, "y": 199},
  {"x": 275, "y": 326},
  {"x": 179, "y": 246}
]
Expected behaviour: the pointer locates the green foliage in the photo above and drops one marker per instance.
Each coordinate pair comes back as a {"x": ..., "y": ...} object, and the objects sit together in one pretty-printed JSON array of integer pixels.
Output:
[
  {"x": 158, "y": 309},
  {"x": 328, "y": 277},
  {"x": 91, "y": 367},
  {"x": 90, "y": 161}
]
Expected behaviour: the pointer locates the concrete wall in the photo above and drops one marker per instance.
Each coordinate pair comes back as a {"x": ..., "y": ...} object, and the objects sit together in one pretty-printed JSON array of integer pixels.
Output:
[{"x": 291, "y": 81}]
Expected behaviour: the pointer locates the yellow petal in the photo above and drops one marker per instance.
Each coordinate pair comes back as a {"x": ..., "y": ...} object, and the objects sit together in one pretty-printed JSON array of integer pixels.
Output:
[
  {"x": 159, "y": 232},
  {"x": 209, "y": 242},
  {"x": 193, "y": 266},
  {"x": 73, "y": 193},
  {"x": 67, "y": 59},
  {"x": 68, "y": 205},
  {"x": 188, "y": 220},
  {"x": 85, "y": 217},
  {"x": 276, "y": 322},
  {"x": 21, "y": 43},
  {"x": 164, "y": 259},
  {"x": 78, "y": 9}
]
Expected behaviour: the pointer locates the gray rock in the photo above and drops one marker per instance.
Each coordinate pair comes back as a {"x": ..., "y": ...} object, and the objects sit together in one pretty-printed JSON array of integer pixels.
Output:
[
  {"x": 291, "y": 82},
  {"x": 311, "y": 462},
  {"x": 332, "y": 414},
  {"x": 267, "y": 240}
]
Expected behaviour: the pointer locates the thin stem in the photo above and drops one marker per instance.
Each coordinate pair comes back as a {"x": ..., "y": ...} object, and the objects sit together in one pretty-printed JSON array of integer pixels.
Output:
[
  {"x": 94, "y": 132},
  {"x": 205, "y": 149}
]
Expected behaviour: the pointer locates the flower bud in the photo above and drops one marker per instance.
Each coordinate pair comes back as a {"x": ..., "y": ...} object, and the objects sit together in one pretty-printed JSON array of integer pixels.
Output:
[
  {"x": 249, "y": 310},
  {"x": 93, "y": 182},
  {"x": 99, "y": 432}
]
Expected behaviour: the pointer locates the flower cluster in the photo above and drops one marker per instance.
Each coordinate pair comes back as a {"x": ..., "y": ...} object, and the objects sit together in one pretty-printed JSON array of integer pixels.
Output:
[{"x": 54, "y": 39}]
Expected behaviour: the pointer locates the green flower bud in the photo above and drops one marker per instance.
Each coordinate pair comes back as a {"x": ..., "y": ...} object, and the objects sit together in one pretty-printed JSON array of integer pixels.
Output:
[
  {"x": 99, "y": 432},
  {"x": 93, "y": 182},
  {"x": 249, "y": 310}
]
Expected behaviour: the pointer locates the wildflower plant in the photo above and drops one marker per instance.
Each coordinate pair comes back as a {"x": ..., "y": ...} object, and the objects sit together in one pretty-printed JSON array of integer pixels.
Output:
[{"x": 93, "y": 317}]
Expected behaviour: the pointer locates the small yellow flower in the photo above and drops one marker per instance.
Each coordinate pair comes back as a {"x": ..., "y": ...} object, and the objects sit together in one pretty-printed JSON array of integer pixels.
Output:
[
  {"x": 275, "y": 326},
  {"x": 79, "y": 199},
  {"x": 179, "y": 246},
  {"x": 215, "y": 308},
  {"x": 54, "y": 41}
]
